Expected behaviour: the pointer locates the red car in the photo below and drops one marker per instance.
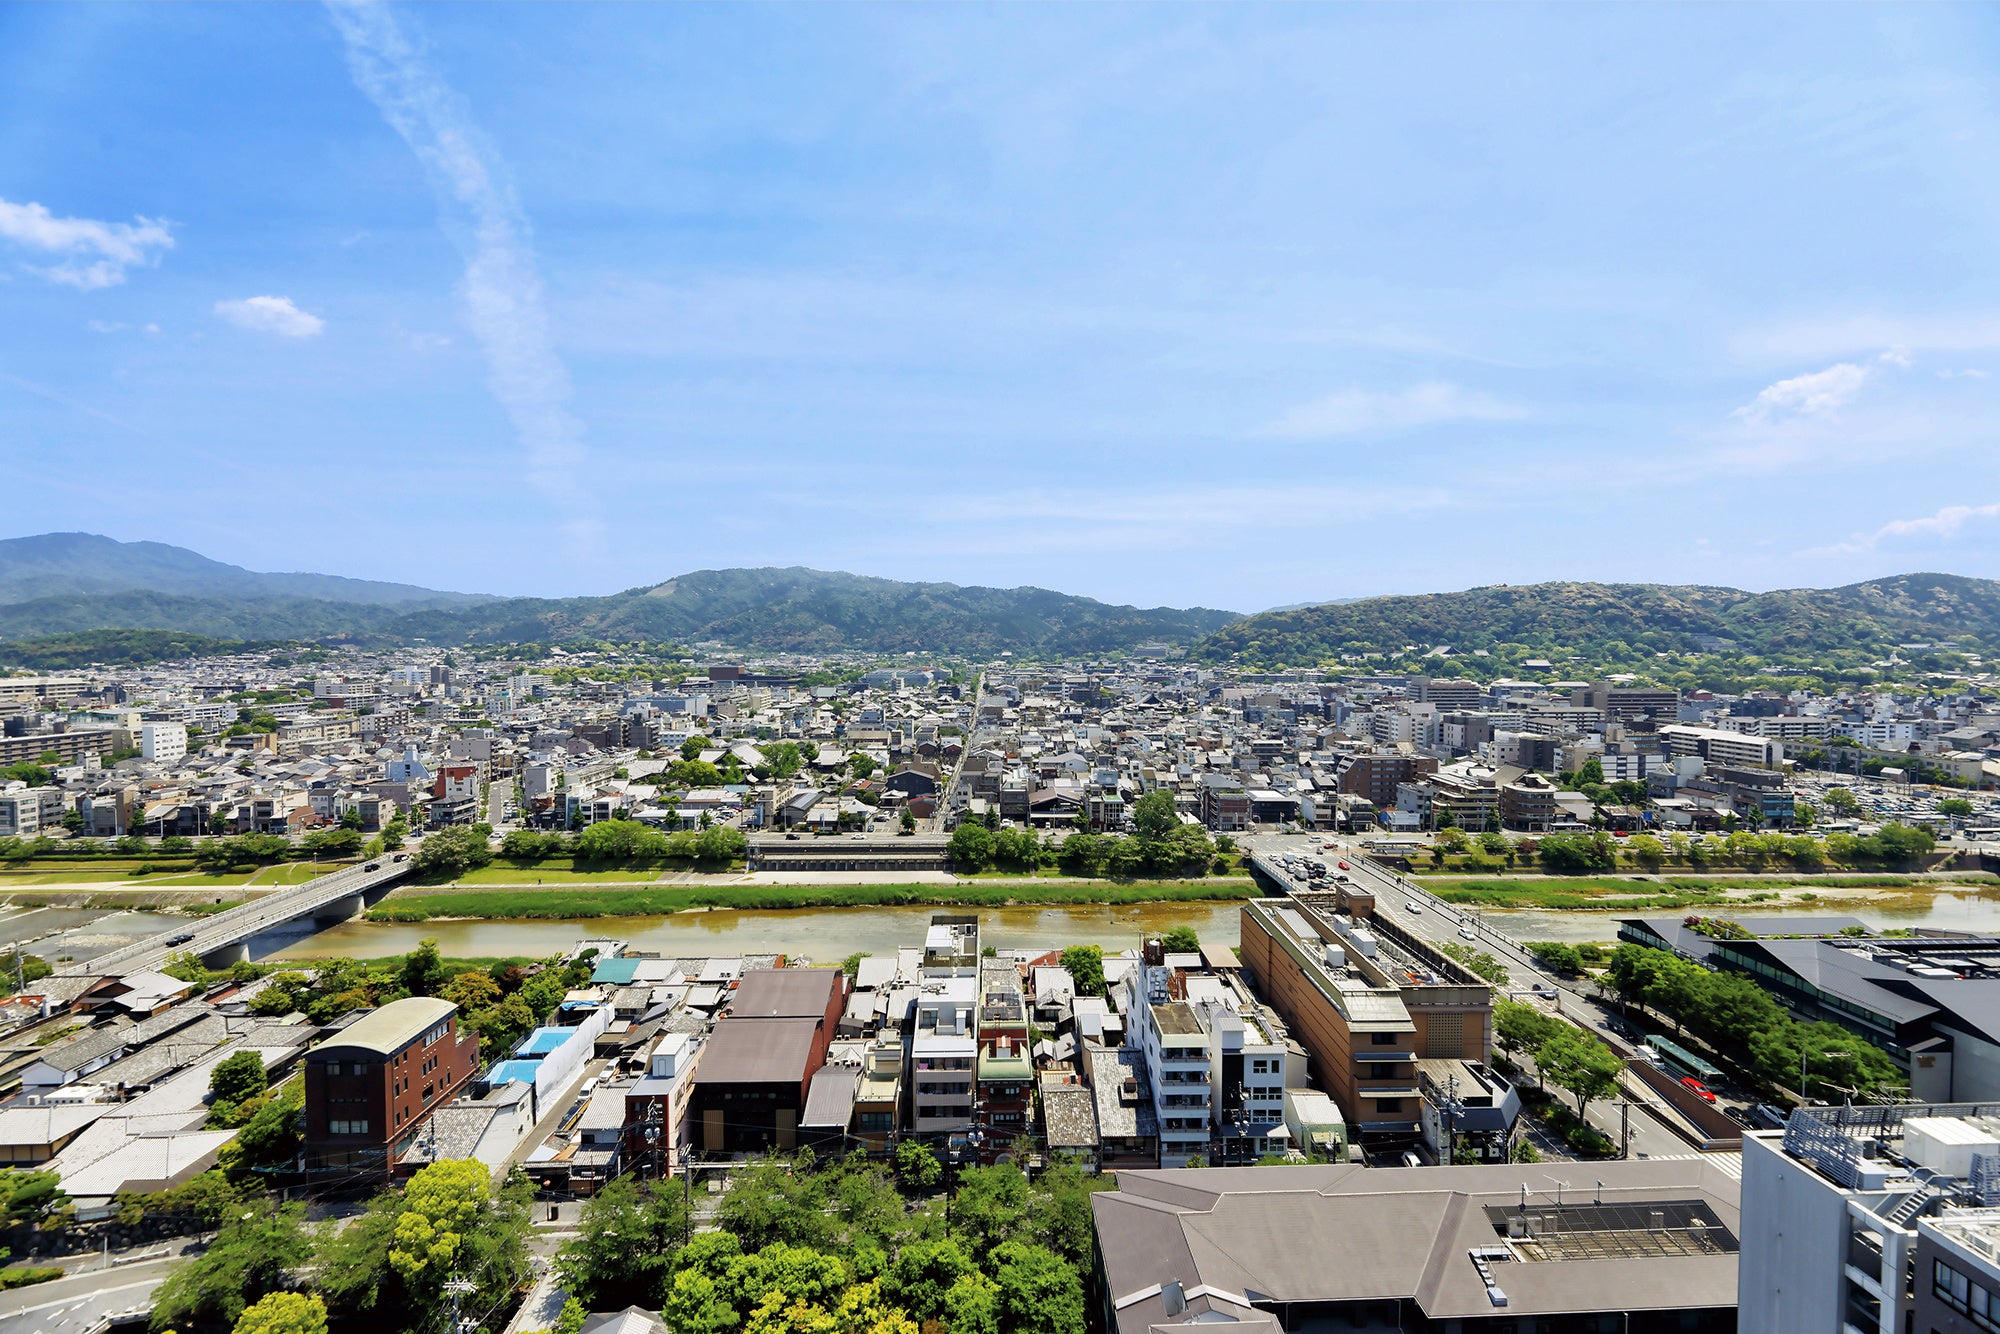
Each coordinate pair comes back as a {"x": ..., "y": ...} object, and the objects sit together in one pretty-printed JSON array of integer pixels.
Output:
[
  {"x": 1341, "y": 865},
  {"x": 1699, "y": 1089}
]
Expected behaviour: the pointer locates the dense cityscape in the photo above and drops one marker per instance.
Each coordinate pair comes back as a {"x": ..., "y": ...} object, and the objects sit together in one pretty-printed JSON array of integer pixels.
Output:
[
  {"x": 942, "y": 1127},
  {"x": 999, "y": 669}
]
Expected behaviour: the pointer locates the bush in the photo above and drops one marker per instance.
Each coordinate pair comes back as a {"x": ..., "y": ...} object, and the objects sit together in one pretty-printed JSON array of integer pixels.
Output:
[{"x": 22, "y": 1278}]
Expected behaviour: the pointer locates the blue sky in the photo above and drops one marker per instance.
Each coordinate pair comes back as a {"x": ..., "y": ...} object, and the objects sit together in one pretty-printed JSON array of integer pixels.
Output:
[{"x": 1172, "y": 305}]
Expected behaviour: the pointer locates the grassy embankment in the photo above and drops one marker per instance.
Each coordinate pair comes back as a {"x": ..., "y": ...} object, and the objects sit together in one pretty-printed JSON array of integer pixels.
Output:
[
  {"x": 1620, "y": 894},
  {"x": 423, "y": 905}
]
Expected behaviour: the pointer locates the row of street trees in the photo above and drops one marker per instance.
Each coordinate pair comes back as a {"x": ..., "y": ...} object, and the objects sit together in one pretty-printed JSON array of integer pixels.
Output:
[{"x": 1161, "y": 843}]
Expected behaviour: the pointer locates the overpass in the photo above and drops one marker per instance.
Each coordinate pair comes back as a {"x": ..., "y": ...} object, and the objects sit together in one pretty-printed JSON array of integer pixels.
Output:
[{"x": 223, "y": 938}]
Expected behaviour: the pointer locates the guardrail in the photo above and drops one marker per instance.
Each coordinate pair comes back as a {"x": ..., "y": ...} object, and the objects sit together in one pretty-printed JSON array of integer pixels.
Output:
[{"x": 238, "y": 924}]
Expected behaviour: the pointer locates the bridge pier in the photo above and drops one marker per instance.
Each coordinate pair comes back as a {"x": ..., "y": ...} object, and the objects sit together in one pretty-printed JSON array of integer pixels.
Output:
[
  {"x": 339, "y": 910},
  {"x": 224, "y": 955}
]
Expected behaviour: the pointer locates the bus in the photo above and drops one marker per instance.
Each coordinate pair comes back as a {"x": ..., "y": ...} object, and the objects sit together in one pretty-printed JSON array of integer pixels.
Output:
[{"x": 1684, "y": 1063}]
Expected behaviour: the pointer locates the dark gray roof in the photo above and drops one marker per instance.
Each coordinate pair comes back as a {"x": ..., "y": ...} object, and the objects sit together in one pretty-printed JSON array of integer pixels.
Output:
[
  {"x": 785, "y": 993},
  {"x": 1069, "y": 1116},
  {"x": 830, "y": 1097},
  {"x": 757, "y": 1051},
  {"x": 1236, "y": 1236}
]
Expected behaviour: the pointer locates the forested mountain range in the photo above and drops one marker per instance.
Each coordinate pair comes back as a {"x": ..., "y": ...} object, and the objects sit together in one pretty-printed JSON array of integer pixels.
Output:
[
  {"x": 793, "y": 609},
  {"x": 1590, "y": 618},
  {"x": 64, "y": 589}
]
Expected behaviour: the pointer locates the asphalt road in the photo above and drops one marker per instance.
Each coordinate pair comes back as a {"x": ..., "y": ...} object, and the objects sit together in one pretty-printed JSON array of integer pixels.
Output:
[
  {"x": 1440, "y": 923},
  {"x": 241, "y": 923},
  {"x": 75, "y": 1305}
]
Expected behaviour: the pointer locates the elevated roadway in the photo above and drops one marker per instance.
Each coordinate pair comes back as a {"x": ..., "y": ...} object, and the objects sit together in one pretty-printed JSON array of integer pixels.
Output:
[{"x": 222, "y": 938}]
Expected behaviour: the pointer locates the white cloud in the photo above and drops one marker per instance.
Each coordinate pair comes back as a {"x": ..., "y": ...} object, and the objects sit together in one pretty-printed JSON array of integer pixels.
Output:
[
  {"x": 272, "y": 315},
  {"x": 1969, "y": 373},
  {"x": 502, "y": 288},
  {"x": 97, "y": 253},
  {"x": 1361, "y": 411},
  {"x": 105, "y": 326},
  {"x": 1811, "y": 395},
  {"x": 1941, "y": 527}
]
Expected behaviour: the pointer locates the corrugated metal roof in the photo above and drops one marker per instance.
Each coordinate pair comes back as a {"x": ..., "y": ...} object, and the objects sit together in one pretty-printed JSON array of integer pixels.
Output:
[{"x": 394, "y": 1026}]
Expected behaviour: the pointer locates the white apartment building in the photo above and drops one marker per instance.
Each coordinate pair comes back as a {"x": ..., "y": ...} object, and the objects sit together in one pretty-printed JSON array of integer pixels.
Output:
[
  {"x": 944, "y": 1055},
  {"x": 1217, "y": 1073},
  {"x": 1872, "y": 1220},
  {"x": 27, "y": 811},
  {"x": 1718, "y": 746},
  {"x": 1880, "y": 735},
  {"x": 1785, "y": 727},
  {"x": 163, "y": 743}
]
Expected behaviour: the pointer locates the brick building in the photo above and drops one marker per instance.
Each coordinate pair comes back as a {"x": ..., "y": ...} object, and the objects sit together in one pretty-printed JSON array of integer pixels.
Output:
[{"x": 371, "y": 1086}]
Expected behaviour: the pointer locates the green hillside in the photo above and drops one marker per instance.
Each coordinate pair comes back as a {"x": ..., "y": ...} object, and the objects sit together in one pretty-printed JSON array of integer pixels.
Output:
[
  {"x": 796, "y": 610},
  {"x": 1623, "y": 620},
  {"x": 78, "y": 564}
]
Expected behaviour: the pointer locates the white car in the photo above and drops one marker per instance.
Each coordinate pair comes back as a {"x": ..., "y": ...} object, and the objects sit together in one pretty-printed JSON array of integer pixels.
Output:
[{"x": 1414, "y": 906}]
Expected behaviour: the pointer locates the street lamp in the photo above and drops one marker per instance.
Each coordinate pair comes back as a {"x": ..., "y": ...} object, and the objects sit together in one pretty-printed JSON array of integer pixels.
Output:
[{"x": 1803, "y": 1056}]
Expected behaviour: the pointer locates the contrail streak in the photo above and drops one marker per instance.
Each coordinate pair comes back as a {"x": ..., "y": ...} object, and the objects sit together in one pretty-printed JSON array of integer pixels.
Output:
[{"x": 502, "y": 288}]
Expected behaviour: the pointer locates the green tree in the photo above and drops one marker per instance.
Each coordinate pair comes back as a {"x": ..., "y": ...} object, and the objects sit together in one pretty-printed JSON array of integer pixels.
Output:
[
  {"x": 971, "y": 846},
  {"x": 1085, "y": 964},
  {"x": 991, "y": 1205},
  {"x": 1573, "y": 1060},
  {"x": 452, "y": 852},
  {"x": 1181, "y": 940},
  {"x": 861, "y": 764},
  {"x": 721, "y": 844},
  {"x": 424, "y": 972},
  {"x": 391, "y": 1262},
  {"x": 236, "y": 1080},
  {"x": 270, "y": 1139},
  {"x": 907, "y": 821},
  {"x": 1154, "y": 815},
  {"x": 1521, "y": 1028},
  {"x": 249, "y": 1259},
  {"x": 1956, "y": 807},
  {"x": 692, "y": 748},
  {"x": 1646, "y": 850},
  {"x": 921, "y": 1278},
  {"x": 1040, "y": 1292},
  {"x": 283, "y": 1313},
  {"x": 1556, "y": 955},
  {"x": 626, "y": 1240},
  {"x": 1842, "y": 802},
  {"x": 917, "y": 1167}
]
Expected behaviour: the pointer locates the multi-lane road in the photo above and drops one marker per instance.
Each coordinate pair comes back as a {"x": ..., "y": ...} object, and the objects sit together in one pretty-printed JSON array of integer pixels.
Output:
[
  {"x": 1440, "y": 923},
  {"x": 239, "y": 924}
]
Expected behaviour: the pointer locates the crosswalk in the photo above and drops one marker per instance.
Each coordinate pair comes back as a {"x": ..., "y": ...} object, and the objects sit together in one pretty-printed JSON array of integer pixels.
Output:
[{"x": 1730, "y": 1163}]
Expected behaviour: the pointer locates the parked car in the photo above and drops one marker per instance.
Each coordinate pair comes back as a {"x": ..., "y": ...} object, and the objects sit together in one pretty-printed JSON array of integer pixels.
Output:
[{"x": 1699, "y": 1089}]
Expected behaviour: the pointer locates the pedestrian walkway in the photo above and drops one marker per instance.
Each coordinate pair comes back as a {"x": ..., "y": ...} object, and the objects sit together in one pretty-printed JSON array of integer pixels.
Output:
[{"x": 1730, "y": 1163}]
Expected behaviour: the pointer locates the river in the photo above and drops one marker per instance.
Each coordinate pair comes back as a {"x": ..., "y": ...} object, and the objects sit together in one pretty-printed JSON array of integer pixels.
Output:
[
  {"x": 1943, "y": 910},
  {"x": 825, "y": 935}
]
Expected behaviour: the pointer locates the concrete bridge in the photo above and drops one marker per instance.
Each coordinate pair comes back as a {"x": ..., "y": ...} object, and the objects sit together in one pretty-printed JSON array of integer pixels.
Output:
[{"x": 224, "y": 938}]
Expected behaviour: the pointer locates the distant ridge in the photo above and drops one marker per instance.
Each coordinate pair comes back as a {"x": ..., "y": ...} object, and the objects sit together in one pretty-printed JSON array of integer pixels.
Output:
[
  {"x": 1871, "y": 616},
  {"x": 74, "y": 564},
  {"x": 70, "y": 584}
]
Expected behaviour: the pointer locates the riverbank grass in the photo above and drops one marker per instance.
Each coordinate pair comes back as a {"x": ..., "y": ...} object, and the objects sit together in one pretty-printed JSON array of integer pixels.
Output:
[{"x": 666, "y": 899}]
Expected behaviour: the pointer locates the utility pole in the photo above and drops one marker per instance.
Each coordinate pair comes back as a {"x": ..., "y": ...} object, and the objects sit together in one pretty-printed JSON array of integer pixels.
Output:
[{"x": 457, "y": 1289}]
